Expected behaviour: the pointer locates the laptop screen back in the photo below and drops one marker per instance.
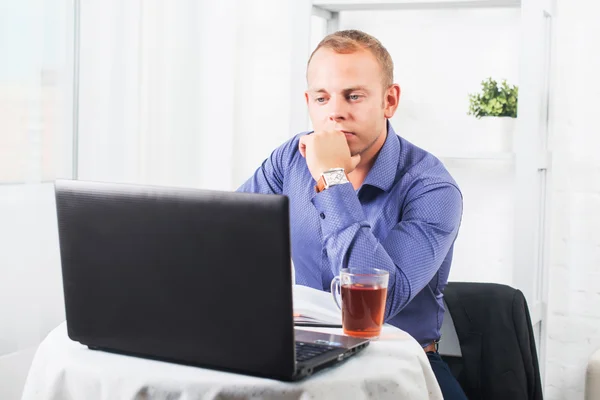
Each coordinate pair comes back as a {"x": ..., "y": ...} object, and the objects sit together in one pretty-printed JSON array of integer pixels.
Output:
[{"x": 195, "y": 276}]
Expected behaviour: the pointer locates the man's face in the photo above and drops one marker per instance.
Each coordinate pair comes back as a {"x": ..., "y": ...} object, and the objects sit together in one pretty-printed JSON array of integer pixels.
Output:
[{"x": 345, "y": 92}]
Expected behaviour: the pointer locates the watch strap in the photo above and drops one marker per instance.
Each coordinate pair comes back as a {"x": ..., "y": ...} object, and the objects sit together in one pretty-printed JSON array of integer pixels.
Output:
[
  {"x": 320, "y": 186},
  {"x": 322, "y": 182}
]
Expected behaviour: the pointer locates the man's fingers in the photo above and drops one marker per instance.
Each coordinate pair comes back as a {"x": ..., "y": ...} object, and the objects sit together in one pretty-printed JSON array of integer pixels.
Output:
[
  {"x": 302, "y": 146},
  {"x": 354, "y": 160}
]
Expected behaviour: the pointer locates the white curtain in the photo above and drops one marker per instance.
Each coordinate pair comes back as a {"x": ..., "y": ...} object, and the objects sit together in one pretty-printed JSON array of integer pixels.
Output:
[{"x": 190, "y": 93}]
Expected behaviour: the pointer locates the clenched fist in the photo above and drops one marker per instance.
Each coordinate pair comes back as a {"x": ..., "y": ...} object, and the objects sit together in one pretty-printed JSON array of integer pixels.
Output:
[{"x": 326, "y": 150}]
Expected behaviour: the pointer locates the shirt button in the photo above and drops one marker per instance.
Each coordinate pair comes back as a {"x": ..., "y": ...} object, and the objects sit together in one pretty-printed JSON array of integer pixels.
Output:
[{"x": 322, "y": 215}]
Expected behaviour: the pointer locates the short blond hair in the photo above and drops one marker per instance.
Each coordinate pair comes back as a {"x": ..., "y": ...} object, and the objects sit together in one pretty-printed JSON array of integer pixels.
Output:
[{"x": 350, "y": 41}]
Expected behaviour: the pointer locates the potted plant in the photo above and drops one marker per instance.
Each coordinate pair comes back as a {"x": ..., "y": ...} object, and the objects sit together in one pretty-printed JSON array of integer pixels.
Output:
[{"x": 495, "y": 109}]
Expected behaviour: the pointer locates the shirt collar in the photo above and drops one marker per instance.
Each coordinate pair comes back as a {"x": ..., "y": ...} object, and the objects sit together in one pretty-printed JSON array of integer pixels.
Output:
[{"x": 383, "y": 172}]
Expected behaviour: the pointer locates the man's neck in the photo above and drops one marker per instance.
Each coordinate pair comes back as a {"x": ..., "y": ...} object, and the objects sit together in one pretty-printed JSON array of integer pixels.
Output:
[{"x": 358, "y": 176}]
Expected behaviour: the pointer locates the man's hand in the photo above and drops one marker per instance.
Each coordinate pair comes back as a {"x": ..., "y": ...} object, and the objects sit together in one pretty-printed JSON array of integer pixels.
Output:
[{"x": 326, "y": 150}]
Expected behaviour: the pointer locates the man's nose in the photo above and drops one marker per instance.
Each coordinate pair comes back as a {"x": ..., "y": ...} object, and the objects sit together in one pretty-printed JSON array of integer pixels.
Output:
[{"x": 337, "y": 110}]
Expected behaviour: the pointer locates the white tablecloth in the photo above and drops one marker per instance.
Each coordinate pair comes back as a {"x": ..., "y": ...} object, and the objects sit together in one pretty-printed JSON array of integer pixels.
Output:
[{"x": 393, "y": 367}]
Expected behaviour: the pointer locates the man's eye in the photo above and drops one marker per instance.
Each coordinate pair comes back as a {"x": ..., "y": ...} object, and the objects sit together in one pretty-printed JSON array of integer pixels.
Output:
[
  {"x": 354, "y": 97},
  {"x": 320, "y": 99}
]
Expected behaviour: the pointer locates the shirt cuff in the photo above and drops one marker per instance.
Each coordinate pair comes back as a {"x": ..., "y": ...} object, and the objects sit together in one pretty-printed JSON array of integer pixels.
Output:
[{"x": 338, "y": 208}]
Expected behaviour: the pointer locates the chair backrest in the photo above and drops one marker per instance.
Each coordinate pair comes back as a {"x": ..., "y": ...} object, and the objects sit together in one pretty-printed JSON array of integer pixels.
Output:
[{"x": 498, "y": 355}]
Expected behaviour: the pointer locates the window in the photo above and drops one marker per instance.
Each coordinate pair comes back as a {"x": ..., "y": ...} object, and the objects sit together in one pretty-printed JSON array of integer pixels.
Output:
[{"x": 36, "y": 82}]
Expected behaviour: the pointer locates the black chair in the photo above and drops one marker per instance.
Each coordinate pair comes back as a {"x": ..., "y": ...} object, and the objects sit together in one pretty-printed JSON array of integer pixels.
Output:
[{"x": 487, "y": 341}]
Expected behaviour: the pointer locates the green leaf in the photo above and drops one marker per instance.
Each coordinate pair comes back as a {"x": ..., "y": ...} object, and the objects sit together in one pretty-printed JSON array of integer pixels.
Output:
[{"x": 494, "y": 99}]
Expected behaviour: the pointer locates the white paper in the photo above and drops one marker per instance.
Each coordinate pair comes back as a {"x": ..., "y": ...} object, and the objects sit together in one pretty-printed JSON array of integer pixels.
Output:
[{"x": 321, "y": 307}]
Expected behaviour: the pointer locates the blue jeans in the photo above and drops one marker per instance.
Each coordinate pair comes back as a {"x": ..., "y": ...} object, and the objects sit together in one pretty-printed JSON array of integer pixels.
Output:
[{"x": 449, "y": 385}]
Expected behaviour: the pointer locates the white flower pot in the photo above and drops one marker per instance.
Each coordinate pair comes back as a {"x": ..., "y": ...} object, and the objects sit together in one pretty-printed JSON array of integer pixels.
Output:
[
  {"x": 475, "y": 137},
  {"x": 490, "y": 134}
]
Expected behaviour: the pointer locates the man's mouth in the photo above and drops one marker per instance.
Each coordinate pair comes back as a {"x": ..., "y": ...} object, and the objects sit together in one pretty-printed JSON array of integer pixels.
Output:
[{"x": 347, "y": 133}]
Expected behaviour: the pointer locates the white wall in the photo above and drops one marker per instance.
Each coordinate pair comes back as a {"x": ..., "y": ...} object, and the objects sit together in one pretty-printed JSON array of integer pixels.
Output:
[
  {"x": 440, "y": 56},
  {"x": 574, "y": 287}
]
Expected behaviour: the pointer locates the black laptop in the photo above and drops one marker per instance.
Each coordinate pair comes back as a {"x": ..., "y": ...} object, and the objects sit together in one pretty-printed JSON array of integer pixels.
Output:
[{"x": 190, "y": 276}]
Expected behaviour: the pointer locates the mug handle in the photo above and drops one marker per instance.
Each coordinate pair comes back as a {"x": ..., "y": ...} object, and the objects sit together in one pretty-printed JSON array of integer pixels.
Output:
[{"x": 335, "y": 291}]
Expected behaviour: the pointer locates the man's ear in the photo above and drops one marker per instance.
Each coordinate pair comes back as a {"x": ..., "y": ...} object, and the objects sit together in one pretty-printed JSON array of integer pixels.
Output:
[
  {"x": 392, "y": 98},
  {"x": 306, "y": 97}
]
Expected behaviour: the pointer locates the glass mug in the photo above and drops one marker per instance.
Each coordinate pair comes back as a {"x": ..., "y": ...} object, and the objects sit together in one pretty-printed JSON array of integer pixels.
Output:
[{"x": 363, "y": 293}]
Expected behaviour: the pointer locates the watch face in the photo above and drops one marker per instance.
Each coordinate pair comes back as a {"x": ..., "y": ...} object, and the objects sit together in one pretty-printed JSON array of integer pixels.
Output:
[{"x": 335, "y": 177}]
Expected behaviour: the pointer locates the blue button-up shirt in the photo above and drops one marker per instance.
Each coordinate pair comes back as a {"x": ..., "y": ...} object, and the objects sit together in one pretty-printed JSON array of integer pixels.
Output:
[{"x": 404, "y": 219}]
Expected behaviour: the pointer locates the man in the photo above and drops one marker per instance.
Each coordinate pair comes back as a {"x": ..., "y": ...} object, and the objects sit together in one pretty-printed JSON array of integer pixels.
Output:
[{"x": 360, "y": 195}]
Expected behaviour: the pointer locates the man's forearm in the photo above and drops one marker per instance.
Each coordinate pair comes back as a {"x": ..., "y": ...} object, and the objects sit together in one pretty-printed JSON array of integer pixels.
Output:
[{"x": 412, "y": 252}]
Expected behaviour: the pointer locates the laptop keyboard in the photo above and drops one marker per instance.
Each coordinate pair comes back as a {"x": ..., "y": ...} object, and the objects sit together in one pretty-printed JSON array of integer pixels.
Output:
[{"x": 306, "y": 351}]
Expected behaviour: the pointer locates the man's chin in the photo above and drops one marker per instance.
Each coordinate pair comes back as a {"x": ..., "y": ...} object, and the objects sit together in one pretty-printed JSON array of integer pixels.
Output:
[
  {"x": 356, "y": 152},
  {"x": 354, "y": 149}
]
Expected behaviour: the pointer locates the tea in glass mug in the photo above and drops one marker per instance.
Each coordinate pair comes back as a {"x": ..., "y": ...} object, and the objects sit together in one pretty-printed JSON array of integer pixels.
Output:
[{"x": 363, "y": 294}]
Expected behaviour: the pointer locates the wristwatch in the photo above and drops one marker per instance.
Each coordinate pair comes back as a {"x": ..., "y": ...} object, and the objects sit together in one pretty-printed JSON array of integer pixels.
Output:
[{"x": 331, "y": 177}]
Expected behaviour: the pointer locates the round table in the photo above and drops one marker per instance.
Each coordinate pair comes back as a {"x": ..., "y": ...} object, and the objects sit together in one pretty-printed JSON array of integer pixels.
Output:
[{"x": 392, "y": 367}]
